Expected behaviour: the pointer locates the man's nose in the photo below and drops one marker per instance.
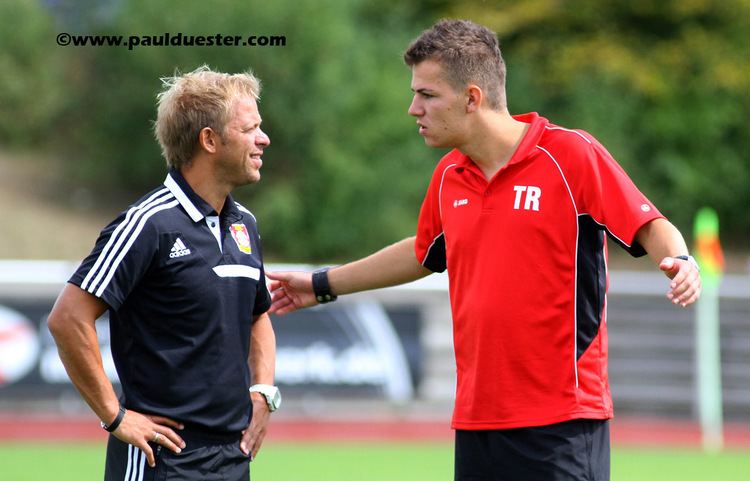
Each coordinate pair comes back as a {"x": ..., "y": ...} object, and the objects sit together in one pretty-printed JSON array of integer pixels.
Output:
[
  {"x": 415, "y": 109},
  {"x": 263, "y": 139}
]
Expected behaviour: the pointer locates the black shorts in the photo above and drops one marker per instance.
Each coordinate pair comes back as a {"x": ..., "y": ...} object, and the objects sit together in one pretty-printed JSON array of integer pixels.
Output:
[
  {"x": 576, "y": 450},
  {"x": 203, "y": 459}
]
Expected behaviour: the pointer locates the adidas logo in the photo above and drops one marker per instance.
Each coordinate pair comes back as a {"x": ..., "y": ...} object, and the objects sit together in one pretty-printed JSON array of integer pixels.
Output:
[{"x": 179, "y": 249}]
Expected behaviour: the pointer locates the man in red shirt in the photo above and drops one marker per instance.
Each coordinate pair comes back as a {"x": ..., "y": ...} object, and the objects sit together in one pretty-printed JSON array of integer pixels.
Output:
[{"x": 518, "y": 212}]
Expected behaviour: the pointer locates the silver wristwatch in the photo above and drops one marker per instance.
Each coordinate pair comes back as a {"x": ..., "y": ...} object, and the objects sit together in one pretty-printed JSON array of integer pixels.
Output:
[
  {"x": 271, "y": 393},
  {"x": 691, "y": 260}
]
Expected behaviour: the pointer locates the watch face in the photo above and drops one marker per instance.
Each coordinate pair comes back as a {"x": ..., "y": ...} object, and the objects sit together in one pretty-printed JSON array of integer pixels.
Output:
[
  {"x": 271, "y": 393},
  {"x": 275, "y": 400}
]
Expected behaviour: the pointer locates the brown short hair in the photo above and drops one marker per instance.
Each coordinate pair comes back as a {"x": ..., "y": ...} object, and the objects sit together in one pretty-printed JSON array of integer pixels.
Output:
[
  {"x": 195, "y": 100},
  {"x": 469, "y": 53}
]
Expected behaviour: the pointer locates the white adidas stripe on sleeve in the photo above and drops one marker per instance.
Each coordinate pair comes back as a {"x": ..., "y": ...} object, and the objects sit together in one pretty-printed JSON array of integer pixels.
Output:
[
  {"x": 129, "y": 243},
  {"x": 116, "y": 238}
]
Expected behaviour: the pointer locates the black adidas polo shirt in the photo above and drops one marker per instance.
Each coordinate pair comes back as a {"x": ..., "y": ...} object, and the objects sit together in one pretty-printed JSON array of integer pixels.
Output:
[{"x": 183, "y": 285}]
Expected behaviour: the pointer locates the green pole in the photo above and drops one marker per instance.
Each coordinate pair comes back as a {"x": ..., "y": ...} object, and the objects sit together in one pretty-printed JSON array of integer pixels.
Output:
[{"x": 708, "y": 345}]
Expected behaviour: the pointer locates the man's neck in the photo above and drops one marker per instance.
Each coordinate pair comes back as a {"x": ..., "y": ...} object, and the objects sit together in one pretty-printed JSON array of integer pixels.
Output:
[
  {"x": 205, "y": 185},
  {"x": 494, "y": 140}
]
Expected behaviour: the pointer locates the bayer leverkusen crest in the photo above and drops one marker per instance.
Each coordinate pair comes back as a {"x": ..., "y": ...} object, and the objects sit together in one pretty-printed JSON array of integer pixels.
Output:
[{"x": 241, "y": 237}]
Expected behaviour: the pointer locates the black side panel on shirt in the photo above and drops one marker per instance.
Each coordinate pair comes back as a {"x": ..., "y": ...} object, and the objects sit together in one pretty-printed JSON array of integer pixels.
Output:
[
  {"x": 592, "y": 281},
  {"x": 635, "y": 250},
  {"x": 435, "y": 259}
]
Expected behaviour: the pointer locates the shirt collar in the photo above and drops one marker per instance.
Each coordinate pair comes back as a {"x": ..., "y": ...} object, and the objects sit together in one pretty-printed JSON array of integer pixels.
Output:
[
  {"x": 537, "y": 125},
  {"x": 197, "y": 208},
  {"x": 528, "y": 143}
]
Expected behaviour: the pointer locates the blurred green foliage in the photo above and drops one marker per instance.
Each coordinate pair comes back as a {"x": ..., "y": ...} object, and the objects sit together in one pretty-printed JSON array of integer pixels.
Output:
[
  {"x": 32, "y": 90},
  {"x": 663, "y": 84}
]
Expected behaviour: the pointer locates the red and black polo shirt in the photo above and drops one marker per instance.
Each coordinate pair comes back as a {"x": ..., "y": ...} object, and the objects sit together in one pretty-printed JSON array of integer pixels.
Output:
[{"x": 527, "y": 263}]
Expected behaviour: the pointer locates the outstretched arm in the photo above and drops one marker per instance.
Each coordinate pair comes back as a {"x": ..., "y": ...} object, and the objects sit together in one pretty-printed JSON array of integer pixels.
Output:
[
  {"x": 663, "y": 241},
  {"x": 393, "y": 265}
]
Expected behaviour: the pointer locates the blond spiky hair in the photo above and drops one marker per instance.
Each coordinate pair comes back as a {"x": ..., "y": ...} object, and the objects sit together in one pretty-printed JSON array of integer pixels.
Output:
[{"x": 193, "y": 101}]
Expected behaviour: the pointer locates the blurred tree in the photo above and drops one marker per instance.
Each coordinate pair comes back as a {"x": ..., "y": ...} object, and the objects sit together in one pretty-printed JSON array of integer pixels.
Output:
[
  {"x": 663, "y": 84},
  {"x": 345, "y": 172},
  {"x": 32, "y": 85}
]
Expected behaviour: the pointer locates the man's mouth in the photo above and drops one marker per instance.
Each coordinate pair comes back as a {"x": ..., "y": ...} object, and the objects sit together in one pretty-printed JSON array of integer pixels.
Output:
[{"x": 257, "y": 160}]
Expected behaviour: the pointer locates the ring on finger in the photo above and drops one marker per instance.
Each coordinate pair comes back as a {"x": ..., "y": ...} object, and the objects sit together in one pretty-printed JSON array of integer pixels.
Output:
[{"x": 156, "y": 437}]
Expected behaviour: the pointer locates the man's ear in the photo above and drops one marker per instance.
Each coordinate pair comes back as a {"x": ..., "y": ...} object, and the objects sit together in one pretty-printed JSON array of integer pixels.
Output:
[
  {"x": 208, "y": 140},
  {"x": 474, "y": 98}
]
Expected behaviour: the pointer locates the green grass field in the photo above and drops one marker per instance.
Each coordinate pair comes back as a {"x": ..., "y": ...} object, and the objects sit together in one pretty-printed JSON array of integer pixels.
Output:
[{"x": 367, "y": 462}]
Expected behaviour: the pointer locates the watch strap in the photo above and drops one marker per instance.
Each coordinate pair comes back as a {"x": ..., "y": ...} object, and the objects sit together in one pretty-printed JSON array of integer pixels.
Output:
[
  {"x": 690, "y": 259},
  {"x": 116, "y": 423},
  {"x": 271, "y": 393}
]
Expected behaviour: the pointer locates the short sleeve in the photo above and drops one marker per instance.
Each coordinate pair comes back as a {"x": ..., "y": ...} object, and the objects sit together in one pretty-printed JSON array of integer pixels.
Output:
[
  {"x": 121, "y": 256},
  {"x": 262, "y": 294},
  {"x": 430, "y": 243},
  {"x": 609, "y": 196}
]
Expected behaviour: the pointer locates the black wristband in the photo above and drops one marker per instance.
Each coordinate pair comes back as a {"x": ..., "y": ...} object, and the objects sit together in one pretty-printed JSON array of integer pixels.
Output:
[
  {"x": 321, "y": 287},
  {"x": 116, "y": 423}
]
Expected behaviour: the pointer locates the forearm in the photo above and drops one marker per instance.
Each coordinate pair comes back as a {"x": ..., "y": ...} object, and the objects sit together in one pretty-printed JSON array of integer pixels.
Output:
[
  {"x": 72, "y": 324},
  {"x": 661, "y": 239},
  {"x": 262, "y": 357},
  {"x": 393, "y": 265},
  {"x": 84, "y": 367}
]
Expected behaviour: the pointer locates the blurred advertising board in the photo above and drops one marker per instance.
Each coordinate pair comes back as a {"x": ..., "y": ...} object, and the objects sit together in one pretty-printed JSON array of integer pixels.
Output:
[{"x": 351, "y": 349}]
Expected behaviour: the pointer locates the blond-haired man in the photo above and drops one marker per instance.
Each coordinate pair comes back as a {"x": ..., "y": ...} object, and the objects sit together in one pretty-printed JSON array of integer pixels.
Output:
[{"x": 181, "y": 274}]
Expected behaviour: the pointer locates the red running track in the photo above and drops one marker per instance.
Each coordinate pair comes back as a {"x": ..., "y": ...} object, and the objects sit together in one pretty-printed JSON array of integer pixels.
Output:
[{"x": 625, "y": 431}]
